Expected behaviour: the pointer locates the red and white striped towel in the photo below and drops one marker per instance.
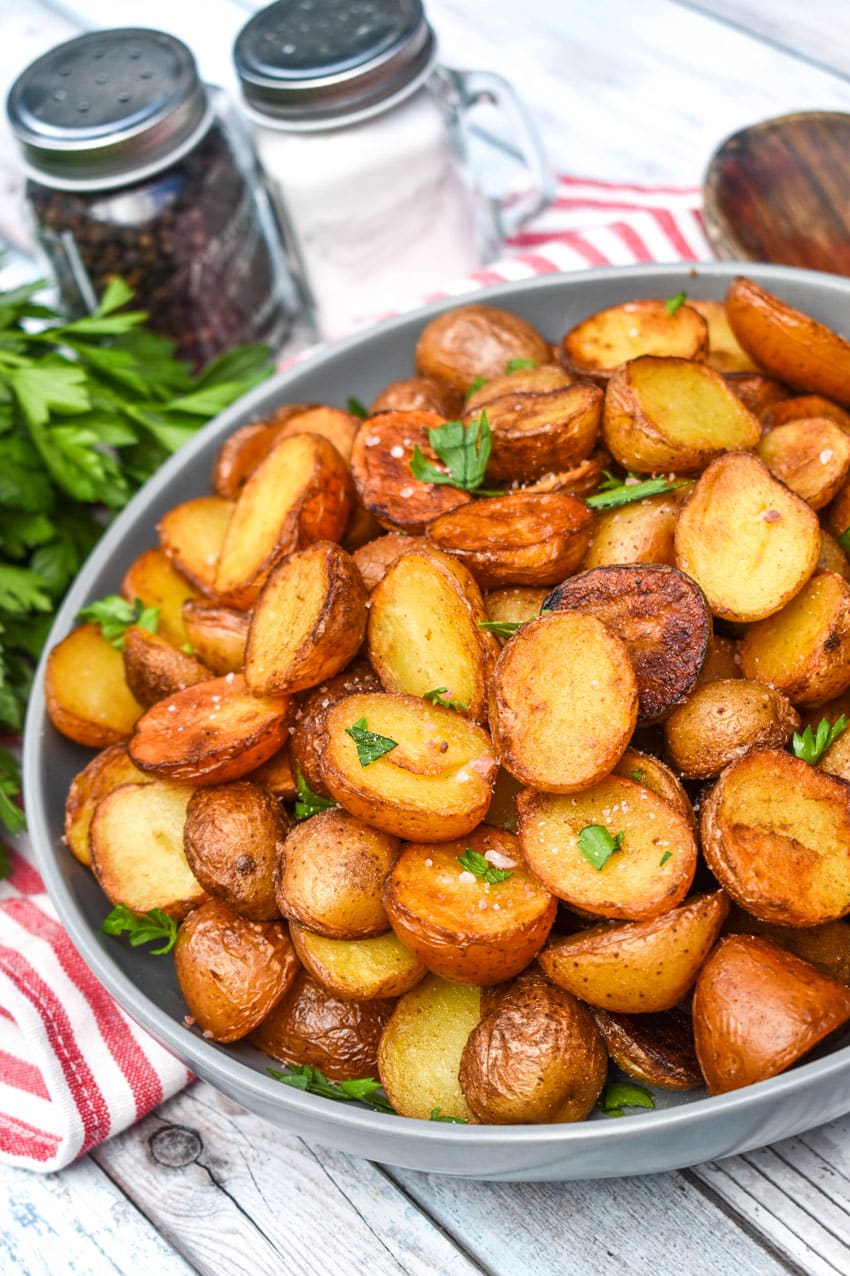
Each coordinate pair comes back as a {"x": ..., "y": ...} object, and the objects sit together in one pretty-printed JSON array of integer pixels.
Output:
[{"x": 74, "y": 1069}]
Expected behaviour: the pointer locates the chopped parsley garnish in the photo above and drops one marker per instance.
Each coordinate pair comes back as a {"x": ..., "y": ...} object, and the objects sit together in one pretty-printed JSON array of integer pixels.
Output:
[
  {"x": 142, "y": 928},
  {"x": 370, "y": 745},
  {"x": 187, "y": 649},
  {"x": 664, "y": 858},
  {"x": 474, "y": 862},
  {"x": 623, "y": 1094},
  {"x": 115, "y": 616},
  {"x": 810, "y": 746},
  {"x": 614, "y": 492},
  {"x": 844, "y": 540},
  {"x": 308, "y": 803},
  {"x": 356, "y": 408},
  {"x": 360, "y": 1090},
  {"x": 507, "y": 628},
  {"x": 519, "y": 365},
  {"x": 10, "y": 786},
  {"x": 597, "y": 845},
  {"x": 474, "y": 386},
  {"x": 437, "y": 696},
  {"x": 437, "y": 1115},
  {"x": 636, "y": 776},
  {"x": 672, "y": 304},
  {"x": 463, "y": 449}
]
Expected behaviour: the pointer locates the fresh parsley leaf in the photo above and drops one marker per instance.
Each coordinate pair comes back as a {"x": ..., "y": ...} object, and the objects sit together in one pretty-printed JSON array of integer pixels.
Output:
[
  {"x": 11, "y": 814},
  {"x": 664, "y": 858},
  {"x": 115, "y": 615},
  {"x": 519, "y": 365},
  {"x": 356, "y": 408},
  {"x": 438, "y": 696},
  {"x": 844, "y": 540},
  {"x": 623, "y": 1094},
  {"x": 361, "y": 1090},
  {"x": 597, "y": 845},
  {"x": 474, "y": 862},
  {"x": 810, "y": 746},
  {"x": 474, "y": 386},
  {"x": 636, "y": 775},
  {"x": 437, "y": 1115},
  {"x": 615, "y": 492},
  {"x": 507, "y": 628},
  {"x": 463, "y": 449},
  {"x": 308, "y": 803},
  {"x": 370, "y": 745},
  {"x": 22, "y": 590},
  {"x": 142, "y": 928},
  {"x": 672, "y": 304},
  {"x": 187, "y": 649}
]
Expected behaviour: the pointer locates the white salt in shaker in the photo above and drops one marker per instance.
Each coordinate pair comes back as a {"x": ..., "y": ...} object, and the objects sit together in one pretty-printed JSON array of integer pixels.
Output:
[{"x": 362, "y": 137}]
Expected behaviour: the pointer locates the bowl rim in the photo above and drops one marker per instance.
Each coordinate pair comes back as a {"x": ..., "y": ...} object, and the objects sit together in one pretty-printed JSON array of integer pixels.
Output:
[{"x": 214, "y": 1063}]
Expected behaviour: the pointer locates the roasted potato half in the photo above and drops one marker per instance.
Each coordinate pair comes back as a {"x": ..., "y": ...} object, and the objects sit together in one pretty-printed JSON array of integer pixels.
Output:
[
  {"x": 722, "y": 721},
  {"x": 476, "y": 341},
  {"x": 154, "y": 579},
  {"x": 334, "y": 424},
  {"x": 358, "y": 969},
  {"x": 244, "y": 449},
  {"x": 232, "y": 838},
  {"x": 542, "y": 378},
  {"x": 638, "y": 533},
  {"x": 756, "y": 391},
  {"x": 515, "y": 603},
  {"x": 106, "y": 771},
  {"x": 536, "y": 433},
  {"x": 217, "y": 635},
  {"x": 419, "y": 394},
  {"x": 827, "y": 947},
  {"x": 725, "y": 352},
  {"x": 376, "y": 557},
  {"x": 192, "y": 535},
  {"x": 308, "y": 739},
  {"x": 600, "y": 343},
  {"x": 812, "y": 457},
  {"x": 646, "y": 769},
  {"x": 802, "y": 407},
  {"x": 721, "y": 661},
  {"x": 153, "y": 669},
  {"x": 380, "y": 463},
  {"x": 85, "y": 690},
  {"x": 655, "y": 1049}
]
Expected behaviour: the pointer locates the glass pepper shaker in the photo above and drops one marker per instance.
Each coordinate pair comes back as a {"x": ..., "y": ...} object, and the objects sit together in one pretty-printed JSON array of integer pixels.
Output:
[{"x": 136, "y": 168}]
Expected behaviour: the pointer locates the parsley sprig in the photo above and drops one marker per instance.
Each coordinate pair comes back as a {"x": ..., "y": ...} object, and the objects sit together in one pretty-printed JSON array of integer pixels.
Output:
[
  {"x": 142, "y": 928},
  {"x": 844, "y": 540},
  {"x": 361, "y": 1090},
  {"x": 507, "y": 628},
  {"x": 115, "y": 616},
  {"x": 623, "y": 1094},
  {"x": 474, "y": 862},
  {"x": 597, "y": 845},
  {"x": 370, "y": 745},
  {"x": 810, "y": 746},
  {"x": 674, "y": 304},
  {"x": 11, "y": 814},
  {"x": 308, "y": 803},
  {"x": 614, "y": 492},
  {"x": 464, "y": 451},
  {"x": 438, "y": 1115},
  {"x": 438, "y": 696},
  {"x": 356, "y": 408}
]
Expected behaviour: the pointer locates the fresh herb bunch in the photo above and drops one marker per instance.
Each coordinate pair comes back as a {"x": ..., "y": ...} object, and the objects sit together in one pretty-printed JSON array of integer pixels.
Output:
[{"x": 88, "y": 410}]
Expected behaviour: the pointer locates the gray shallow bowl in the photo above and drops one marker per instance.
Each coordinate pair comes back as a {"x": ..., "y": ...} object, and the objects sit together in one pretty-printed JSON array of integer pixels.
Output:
[{"x": 683, "y": 1130}]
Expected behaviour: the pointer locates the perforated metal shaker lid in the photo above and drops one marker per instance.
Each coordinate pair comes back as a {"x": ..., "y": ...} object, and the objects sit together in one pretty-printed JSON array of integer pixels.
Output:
[
  {"x": 311, "y": 63},
  {"x": 106, "y": 106}
]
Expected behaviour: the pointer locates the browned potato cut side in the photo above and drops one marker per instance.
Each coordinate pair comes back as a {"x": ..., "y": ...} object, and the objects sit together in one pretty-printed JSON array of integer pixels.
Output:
[
  {"x": 639, "y": 533},
  {"x": 600, "y": 343},
  {"x": 812, "y": 457},
  {"x": 106, "y": 771},
  {"x": 518, "y": 539},
  {"x": 515, "y": 603},
  {"x": 748, "y": 542},
  {"x": 786, "y": 862},
  {"x": 832, "y": 556},
  {"x": 301, "y": 492},
  {"x": 86, "y": 693},
  {"x": 233, "y": 837},
  {"x": 308, "y": 621},
  {"x": 308, "y": 739},
  {"x": 540, "y": 379},
  {"x": 331, "y": 876},
  {"x": 758, "y": 1009},
  {"x": 502, "y": 813},
  {"x": 535, "y": 433},
  {"x": 421, "y": 1048},
  {"x": 536, "y": 1057},
  {"x": 802, "y": 407},
  {"x": 244, "y": 449},
  {"x": 648, "y": 874},
  {"x": 153, "y": 669},
  {"x": 333, "y": 424},
  {"x": 673, "y": 414},
  {"x": 136, "y": 840},
  {"x": 311, "y": 1026},
  {"x": 232, "y": 972},
  {"x": 209, "y": 733},
  {"x": 836, "y": 759},
  {"x": 787, "y": 343},
  {"x": 579, "y": 480},
  {"x": 476, "y": 341},
  {"x": 277, "y": 775},
  {"x": 376, "y": 557},
  {"x": 657, "y": 1050},
  {"x": 584, "y": 714},
  {"x": 661, "y": 617},
  {"x": 721, "y": 661},
  {"x": 192, "y": 535},
  {"x": 804, "y": 649},
  {"x": 638, "y": 967},
  {"x": 419, "y": 394},
  {"x": 459, "y": 925},
  {"x": 827, "y": 946},
  {"x": 654, "y": 774},
  {"x": 156, "y": 581},
  {"x": 379, "y": 967},
  {"x": 434, "y": 786},
  {"x": 380, "y": 464},
  {"x": 756, "y": 391},
  {"x": 723, "y": 720},
  {"x": 725, "y": 353},
  {"x": 217, "y": 635},
  {"x": 424, "y": 632}
]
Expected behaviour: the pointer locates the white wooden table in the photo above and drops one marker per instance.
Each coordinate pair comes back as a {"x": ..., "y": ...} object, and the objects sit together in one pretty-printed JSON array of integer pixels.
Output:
[{"x": 623, "y": 90}]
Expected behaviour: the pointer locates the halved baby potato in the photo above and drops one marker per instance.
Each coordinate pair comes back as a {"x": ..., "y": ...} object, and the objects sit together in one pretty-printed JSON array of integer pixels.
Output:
[
  {"x": 192, "y": 534},
  {"x": 244, "y": 449},
  {"x": 308, "y": 739},
  {"x": 154, "y": 579},
  {"x": 721, "y": 661},
  {"x": 536, "y": 433},
  {"x": 541, "y": 378},
  {"x": 826, "y": 946},
  {"x": 646, "y": 769},
  {"x": 417, "y": 394},
  {"x": 232, "y": 839},
  {"x": 376, "y": 557},
  {"x": 217, "y": 635},
  {"x": 334, "y": 424},
  {"x": 657, "y": 1050},
  {"x": 725, "y": 353},
  {"x": 85, "y": 690},
  {"x": 802, "y": 407},
  {"x": 810, "y": 456},
  {"x": 153, "y": 669},
  {"x": 638, "y": 533},
  {"x": 756, "y": 391},
  {"x": 599, "y": 344},
  {"x": 378, "y": 967},
  {"x": 476, "y": 341},
  {"x": 515, "y": 603},
  {"x": 722, "y": 720},
  {"x": 106, "y": 771}
]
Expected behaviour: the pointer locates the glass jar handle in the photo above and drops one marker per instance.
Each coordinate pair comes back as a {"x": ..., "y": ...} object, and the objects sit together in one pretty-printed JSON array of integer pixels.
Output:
[{"x": 485, "y": 86}]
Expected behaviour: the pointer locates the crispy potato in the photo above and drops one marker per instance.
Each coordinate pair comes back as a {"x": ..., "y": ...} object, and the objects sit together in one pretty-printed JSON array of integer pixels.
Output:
[
  {"x": 811, "y": 456},
  {"x": 517, "y": 539},
  {"x": 579, "y": 480},
  {"x": 154, "y": 579},
  {"x": 802, "y": 407},
  {"x": 153, "y": 669},
  {"x": 804, "y": 649},
  {"x": 787, "y": 343},
  {"x": 419, "y": 394},
  {"x": 836, "y": 759},
  {"x": 827, "y": 947},
  {"x": 476, "y": 341},
  {"x": 651, "y": 772},
  {"x": 648, "y": 874},
  {"x": 217, "y": 634},
  {"x": 311, "y": 1026},
  {"x": 308, "y": 739},
  {"x": 424, "y": 633},
  {"x": 502, "y": 813},
  {"x": 233, "y": 836},
  {"x": 722, "y": 720},
  {"x": 232, "y": 972},
  {"x": 535, "y": 433},
  {"x": 420, "y": 1051},
  {"x": 192, "y": 535},
  {"x": 638, "y": 533},
  {"x": 358, "y": 969},
  {"x": 748, "y": 542},
  {"x": 333, "y": 424},
  {"x": 277, "y": 775},
  {"x": 380, "y": 464},
  {"x": 756, "y": 391},
  {"x": 459, "y": 925},
  {"x": 655, "y": 1049},
  {"x": 639, "y": 967},
  {"x": 721, "y": 661},
  {"x": 536, "y": 1057},
  {"x": 758, "y": 1009},
  {"x": 515, "y": 603},
  {"x": 136, "y": 840},
  {"x": 331, "y": 874},
  {"x": 832, "y": 557},
  {"x": 106, "y": 771},
  {"x": 244, "y": 449},
  {"x": 86, "y": 692},
  {"x": 602, "y": 342},
  {"x": 673, "y": 414},
  {"x": 434, "y": 786},
  {"x": 725, "y": 352},
  {"x": 783, "y": 862},
  {"x": 209, "y": 733},
  {"x": 302, "y": 492},
  {"x": 540, "y": 379},
  {"x": 376, "y": 557},
  {"x": 579, "y": 680},
  {"x": 308, "y": 621},
  {"x": 836, "y": 516},
  {"x": 662, "y": 619}
]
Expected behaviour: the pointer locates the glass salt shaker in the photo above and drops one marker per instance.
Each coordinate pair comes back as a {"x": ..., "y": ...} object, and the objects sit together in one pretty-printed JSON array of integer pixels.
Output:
[
  {"x": 364, "y": 140},
  {"x": 135, "y": 168}
]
